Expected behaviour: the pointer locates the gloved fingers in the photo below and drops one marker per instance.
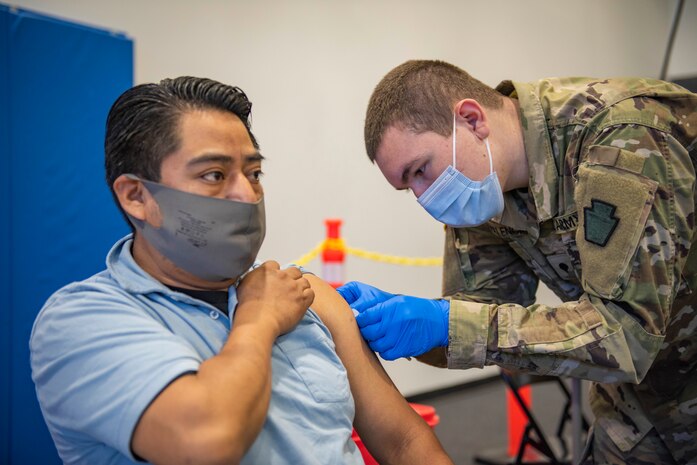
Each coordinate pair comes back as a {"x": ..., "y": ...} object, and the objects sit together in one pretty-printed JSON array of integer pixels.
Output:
[
  {"x": 370, "y": 344},
  {"x": 406, "y": 346},
  {"x": 350, "y": 291},
  {"x": 370, "y": 316},
  {"x": 390, "y": 355},
  {"x": 385, "y": 344},
  {"x": 361, "y": 296},
  {"x": 381, "y": 345},
  {"x": 398, "y": 352},
  {"x": 388, "y": 340},
  {"x": 366, "y": 302},
  {"x": 373, "y": 332}
]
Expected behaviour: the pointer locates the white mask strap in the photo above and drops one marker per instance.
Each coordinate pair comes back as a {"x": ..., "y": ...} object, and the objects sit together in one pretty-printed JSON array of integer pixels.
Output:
[
  {"x": 491, "y": 159},
  {"x": 454, "y": 129},
  {"x": 486, "y": 142}
]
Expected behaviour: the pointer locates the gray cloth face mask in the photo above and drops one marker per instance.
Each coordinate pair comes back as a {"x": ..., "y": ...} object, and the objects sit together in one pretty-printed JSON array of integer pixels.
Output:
[{"x": 211, "y": 238}]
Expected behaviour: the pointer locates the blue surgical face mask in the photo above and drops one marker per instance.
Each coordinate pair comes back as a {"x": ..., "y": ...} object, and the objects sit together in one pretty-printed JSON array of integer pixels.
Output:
[{"x": 457, "y": 201}]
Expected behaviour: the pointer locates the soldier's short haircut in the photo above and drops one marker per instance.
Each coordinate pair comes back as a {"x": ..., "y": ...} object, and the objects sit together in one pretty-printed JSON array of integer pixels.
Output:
[
  {"x": 143, "y": 124},
  {"x": 419, "y": 95}
]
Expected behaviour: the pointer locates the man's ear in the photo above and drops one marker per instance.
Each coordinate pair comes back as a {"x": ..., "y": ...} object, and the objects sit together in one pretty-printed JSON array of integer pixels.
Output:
[
  {"x": 472, "y": 115},
  {"x": 131, "y": 194}
]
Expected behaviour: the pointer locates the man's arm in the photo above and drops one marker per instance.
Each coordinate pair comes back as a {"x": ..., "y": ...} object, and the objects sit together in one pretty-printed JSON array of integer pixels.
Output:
[
  {"x": 388, "y": 426},
  {"x": 214, "y": 415}
]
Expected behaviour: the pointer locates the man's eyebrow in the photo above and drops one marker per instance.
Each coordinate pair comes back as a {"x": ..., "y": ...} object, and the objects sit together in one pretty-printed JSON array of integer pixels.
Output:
[
  {"x": 222, "y": 158},
  {"x": 256, "y": 156},
  {"x": 210, "y": 157}
]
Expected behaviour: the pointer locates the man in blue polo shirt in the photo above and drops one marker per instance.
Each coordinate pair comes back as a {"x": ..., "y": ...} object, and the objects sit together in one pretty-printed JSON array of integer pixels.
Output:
[{"x": 177, "y": 352}]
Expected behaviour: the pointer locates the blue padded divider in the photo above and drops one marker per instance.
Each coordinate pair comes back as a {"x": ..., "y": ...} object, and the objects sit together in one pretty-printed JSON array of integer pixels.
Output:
[
  {"x": 5, "y": 321},
  {"x": 61, "y": 79}
]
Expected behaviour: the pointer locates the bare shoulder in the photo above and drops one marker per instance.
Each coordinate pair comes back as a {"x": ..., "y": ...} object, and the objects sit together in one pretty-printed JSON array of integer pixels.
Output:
[
  {"x": 330, "y": 306},
  {"x": 361, "y": 363}
]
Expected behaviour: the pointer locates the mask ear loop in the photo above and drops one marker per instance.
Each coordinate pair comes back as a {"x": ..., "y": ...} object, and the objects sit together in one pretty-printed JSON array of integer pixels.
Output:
[
  {"x": 491, "y": 159},
  {"x": 454, "y": 133}
]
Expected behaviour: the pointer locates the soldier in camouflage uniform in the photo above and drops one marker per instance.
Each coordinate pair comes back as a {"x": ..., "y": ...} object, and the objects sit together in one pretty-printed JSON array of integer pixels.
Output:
[{"x": 605, "y": 218}]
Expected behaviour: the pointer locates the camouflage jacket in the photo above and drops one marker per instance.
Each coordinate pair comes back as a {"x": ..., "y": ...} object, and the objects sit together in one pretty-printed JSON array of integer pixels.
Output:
[{"x": 608, "y": 224}]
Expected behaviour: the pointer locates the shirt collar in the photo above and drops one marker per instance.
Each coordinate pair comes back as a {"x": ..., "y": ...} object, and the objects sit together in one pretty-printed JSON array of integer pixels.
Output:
[
  {"x": 124, "y": 269},
  {"x": 538, "y": 148},
  {"x": 132, "y": 278}
]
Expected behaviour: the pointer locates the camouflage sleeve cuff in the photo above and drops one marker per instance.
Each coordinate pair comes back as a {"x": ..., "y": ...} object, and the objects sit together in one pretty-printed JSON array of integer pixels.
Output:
[{"x": 468, "y": 333}]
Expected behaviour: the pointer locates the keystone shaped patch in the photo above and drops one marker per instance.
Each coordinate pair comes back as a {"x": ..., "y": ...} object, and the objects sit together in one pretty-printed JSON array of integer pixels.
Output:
[{"x": 599, "y": 222}]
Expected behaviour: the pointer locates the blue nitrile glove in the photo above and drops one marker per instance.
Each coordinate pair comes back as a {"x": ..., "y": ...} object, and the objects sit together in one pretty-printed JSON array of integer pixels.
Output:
[
  {"x": 405, "y": 326},
  {"x": 361, "y": 296}
]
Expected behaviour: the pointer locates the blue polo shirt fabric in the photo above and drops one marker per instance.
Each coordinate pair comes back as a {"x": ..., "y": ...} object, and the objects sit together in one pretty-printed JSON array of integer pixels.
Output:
[{"x": 104, "y": 348}]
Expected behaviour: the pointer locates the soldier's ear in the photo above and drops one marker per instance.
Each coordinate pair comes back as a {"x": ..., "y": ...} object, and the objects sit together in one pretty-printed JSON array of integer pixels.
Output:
[{"x": 470, "y": 114}]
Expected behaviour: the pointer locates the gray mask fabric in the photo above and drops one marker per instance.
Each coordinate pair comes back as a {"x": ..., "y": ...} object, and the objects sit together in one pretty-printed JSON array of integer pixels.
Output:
[{"x": 211, "y": 238}]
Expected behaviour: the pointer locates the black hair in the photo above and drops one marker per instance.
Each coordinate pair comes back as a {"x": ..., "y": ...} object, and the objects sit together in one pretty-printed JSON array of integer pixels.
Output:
[{"x": 142, "y": 126}]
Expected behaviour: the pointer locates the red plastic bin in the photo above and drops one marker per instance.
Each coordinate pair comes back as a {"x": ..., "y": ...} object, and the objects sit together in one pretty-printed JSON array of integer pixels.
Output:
[{"x": 427, "y": 412}]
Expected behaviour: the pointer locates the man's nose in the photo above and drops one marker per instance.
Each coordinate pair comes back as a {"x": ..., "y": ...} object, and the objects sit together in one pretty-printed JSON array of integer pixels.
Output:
[
  {"x": 241, "y": 189},
  {"x": 419, "y": 187},
  {"x": 417, "y": 191}
]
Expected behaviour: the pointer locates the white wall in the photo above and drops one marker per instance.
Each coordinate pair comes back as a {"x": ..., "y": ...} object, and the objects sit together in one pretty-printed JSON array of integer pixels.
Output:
[
  {"x": 683, "y": 61},
  {"x": 309, "y": 66}
]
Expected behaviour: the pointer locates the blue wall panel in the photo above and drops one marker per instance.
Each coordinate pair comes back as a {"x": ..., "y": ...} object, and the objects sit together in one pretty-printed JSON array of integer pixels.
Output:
[
  {"x": 62, "y": 79},
  {"x": 5, "y": 321}
]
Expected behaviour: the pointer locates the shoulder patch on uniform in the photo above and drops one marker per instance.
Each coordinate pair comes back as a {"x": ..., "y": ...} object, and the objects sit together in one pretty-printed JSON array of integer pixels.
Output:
[{"x": 599, "y": 222}]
